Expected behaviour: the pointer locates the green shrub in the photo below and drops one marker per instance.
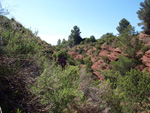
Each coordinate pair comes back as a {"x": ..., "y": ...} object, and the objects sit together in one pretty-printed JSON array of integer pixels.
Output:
[
  {"x": 118, "y": 68},
  {"x": 130, "y": 44},
  {"x": 106, "y": 59},
  {"x": 22, "y": 46},
  {"x": 107, "y": 38},
  {"x": 112, "y": 77},
  {"x": 98, "y": 47},
  {"x": 134, "y": 90},
  {"x": 62, "y": 58},
  {"x": 145, "y": 48},
  {"x": 81, "y": 50},
  {"x": 123, "y": 64},
  {"x": 57, "y": 89},
  {"x": 88, "y": 63}
]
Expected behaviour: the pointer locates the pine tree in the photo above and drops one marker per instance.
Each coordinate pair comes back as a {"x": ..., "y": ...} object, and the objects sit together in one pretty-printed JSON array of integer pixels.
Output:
[
  {"x": 58, "y": 42},
  {"x": 144, "y": 15},
  {"x": 123, "y": 24},
  {"x": 92, "y": 39},
  {"x": 75, "y": 35}
]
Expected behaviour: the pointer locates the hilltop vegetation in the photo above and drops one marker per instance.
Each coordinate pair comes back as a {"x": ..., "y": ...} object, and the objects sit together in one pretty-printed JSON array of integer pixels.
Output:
[{"x": 83, "y": 75}]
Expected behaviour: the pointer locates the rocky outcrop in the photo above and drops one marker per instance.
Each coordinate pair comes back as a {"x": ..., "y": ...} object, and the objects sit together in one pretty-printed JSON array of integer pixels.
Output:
[
  {"x": 111, "y": 53},
  {"x": 146, "y": 59},
  {"x": 145, "y": 38}
]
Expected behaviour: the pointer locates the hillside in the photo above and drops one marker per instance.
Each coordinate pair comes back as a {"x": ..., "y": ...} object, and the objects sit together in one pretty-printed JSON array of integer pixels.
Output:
[
  {"x": 79, "y": 75},
  {"x": 102, "y": 55}
]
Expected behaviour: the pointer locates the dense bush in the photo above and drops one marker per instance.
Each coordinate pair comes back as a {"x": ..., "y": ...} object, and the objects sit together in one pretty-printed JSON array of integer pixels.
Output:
[
  {"x": 123, "y": 64},
  {"x": 22, "y": 46},
  {"x": 62, "y": 58},
  {"x": 106, "y": 59},
  {"x": 130, "y": 44},
  {"x": 145, "y": 48},
  {"x": 81, "y": 50},
  {"x": 134, "y": 90},
  {"x": 57, "y": 89},
  {"x": 88, "y": 63},
  {"x": 98, "y": 47},
  {"x": 107, "y": 38}
]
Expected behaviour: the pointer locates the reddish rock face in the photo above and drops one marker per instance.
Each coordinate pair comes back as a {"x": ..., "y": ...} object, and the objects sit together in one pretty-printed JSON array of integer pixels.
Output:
[
  {"x": 89, "y": 51},
  {"x": 107, "y": 51},
  {"x": 72, "y": 54},
  {"x": 98, "y": 75},
  {"x": 146, "y": 59},
  {"x": 140, "y": 67},
  {"x": 145, "y": 38},
  {"x": 78, "y": 57},
  {"x": 117, "y": 50},
  {"x": 107, "y": 47},
  {"x": 103, "y": 53}
]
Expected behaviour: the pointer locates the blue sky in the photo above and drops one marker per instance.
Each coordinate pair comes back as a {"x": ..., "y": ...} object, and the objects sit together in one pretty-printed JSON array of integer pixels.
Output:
[{"x": 54, "y": 19}]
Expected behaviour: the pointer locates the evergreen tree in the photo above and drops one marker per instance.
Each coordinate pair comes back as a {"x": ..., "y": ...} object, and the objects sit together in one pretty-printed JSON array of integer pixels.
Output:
[
  {"x": 129, "y": 43},
  {"x": 58, "y": 42},
  {"x": 64, "y": 41},
  {"x": 75, "y": 35},
  {"x": 144, "y": 15},
  {"x": 92, "y": 39},
  {"x": 123, "y": 24}
]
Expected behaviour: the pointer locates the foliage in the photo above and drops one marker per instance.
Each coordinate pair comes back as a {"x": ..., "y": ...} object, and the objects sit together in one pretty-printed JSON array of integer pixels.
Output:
[
  {"x": 58, "y": 42},
  {"x": 56, "y": 83},
  {"x": 118, "y": 68},
  {"x": 98, "y": 47},
  {"x": 88, "y": 63},
  {"x": 107, "y": 38},
  {"x": 123, "y": 24},
  {"x": 75, "y": 35},
  {"x": 62, "y": 58},
  {"x": 57, "y": 89},
  {"x": 134, "y": 90},
  {"x": 22, "y": 46},
  {"x": 130, "y": 44},
  {"x": 86, "y": 40},
  {"x": 144, "y": 15},
  {"x": 107, "y": 35},
  {"x": 92, "y": 39},
  {"x": 123, "y": 65},
  {"x": 145, "y": 48},
  {"x": 81, "y": 50},
  {"x": 20, "y": 49},
  {"x": 106, "y": 59}
]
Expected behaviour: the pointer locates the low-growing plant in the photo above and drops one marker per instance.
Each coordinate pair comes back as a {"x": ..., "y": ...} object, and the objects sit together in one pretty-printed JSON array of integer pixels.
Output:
[
  {"x": 88, "y": 63},
  {"x": 106, "y": 59},
  {"x": 145, "y": 48},
  {"x": 98, "y": 47},
  {"x": 123, "y": 64},
  {"x": 134, "y": 90},
  {"x": 62, "y": 58},
  {"x": 130, "y": 44},
  {"x": 22, "y": 46},
  {"x": 57, "y": 89},
  {"x": 81, "y": 50}
]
